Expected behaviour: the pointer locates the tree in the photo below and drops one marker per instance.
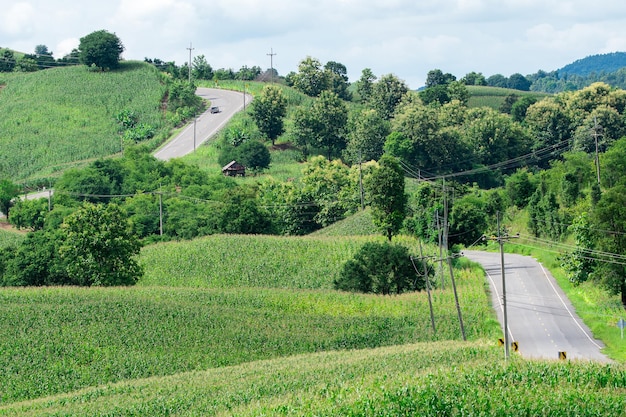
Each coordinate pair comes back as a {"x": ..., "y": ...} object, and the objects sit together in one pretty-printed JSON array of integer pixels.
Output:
[
  {"x": 437, "y": 77},
  {"x": 337, "y": 76},
  {"x": 8, "y": 191},
  {"x": 365, "y": 85},
  {"x": 380, "y": 268},
  {"x": 253, "y": 154},
  {"x": 323, "y": 124},
  {"x": 268, "y": 111},
  {"x": 367, "y": 134},
  {"x": 311, "y": 79},
  {"x": 518, "y": 82},
  {"x": 468, "y": 220},
  {"x": 473, "y": 78},
  {"x": 497, "y": 80},
  {"x": 200, "y": 68},
  {"x": 388, "y": 199},
  {"x": 7, "y": 60},
  {"x": 99, "y": 247},
  {"x": 387, "y": 93},
  {"x": 102, "y": 49}
]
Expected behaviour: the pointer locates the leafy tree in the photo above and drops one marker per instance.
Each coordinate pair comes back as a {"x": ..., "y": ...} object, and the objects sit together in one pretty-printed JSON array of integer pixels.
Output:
[
  {"x": 99, "y": 247},
  {"x": 520, "y": 186},
  {"x": 473, "y": 78},
  {"x": 8, "y": 191},
  {"x": 268, "y": 111},
  {"x": 518, "y": 82},
  {"x": 437, "y": 77},
  {"x": 365, "y": 85},
  {"x": 200, "y": 68},
  {"x": 367, "y": 134},
  {"x": 311, "y": 79},
  {"x": 7, "y": 60},
  {"x": 102, "y": 49},
  {"x": 29, "y": 214},
  {"x": 468, "y": 220},
  {"x": 388, "y": 199},
  {"x": 242, "y": 215},
  {"x": 380, "y": 268},
  {"x": 387, "y": 93},
  {"x": 338, "y": 79},
  {"x": 436, "y": 94},
  {"x": 578, "y": 265},
  {"x": 42, "y": 50},
  {"x": 254, "y": 155},
  {"x": 322, "y": 125},
  {"x": 497, "y": 80},
  {"x": 37, "y": 261},
  {"x": 520, "y": 106}
]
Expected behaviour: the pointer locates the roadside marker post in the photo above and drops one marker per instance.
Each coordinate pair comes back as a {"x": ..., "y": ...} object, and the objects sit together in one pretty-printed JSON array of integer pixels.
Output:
[{"x": 562, "y": 356}]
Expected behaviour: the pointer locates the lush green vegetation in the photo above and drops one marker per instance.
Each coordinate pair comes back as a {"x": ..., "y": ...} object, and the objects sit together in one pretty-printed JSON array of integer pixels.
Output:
[
  {"x": 55, "y": 118},
  {"x": 9, "y": 238},
  {"x": 86, "y": 337},
  {"x": 494, "y": 97},
  {"x": 435, "y": 379}
]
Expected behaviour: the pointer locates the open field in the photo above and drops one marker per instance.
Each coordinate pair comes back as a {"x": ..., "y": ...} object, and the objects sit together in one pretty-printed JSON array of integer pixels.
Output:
[
  {"x": 426, "y": 379},
  {"x": 55, "y": 118},
  {"x": 81, "y": 337},
  {"x": 494, "y": 96}
]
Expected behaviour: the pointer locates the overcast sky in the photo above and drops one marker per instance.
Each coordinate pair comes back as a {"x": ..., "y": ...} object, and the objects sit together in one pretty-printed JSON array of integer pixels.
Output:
[{"x": 403, "y": 37}]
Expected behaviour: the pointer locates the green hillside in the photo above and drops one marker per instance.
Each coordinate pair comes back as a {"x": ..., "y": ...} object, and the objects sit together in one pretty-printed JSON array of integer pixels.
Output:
[
  {"x": 175, "y": 322},
  {"x": 52, "y": 119}
]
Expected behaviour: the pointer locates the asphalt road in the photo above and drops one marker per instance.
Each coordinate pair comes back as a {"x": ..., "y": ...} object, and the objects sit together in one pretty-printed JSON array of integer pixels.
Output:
[
  {"x": 207, "y": 124},
  {"x": 540, "y": 317}
]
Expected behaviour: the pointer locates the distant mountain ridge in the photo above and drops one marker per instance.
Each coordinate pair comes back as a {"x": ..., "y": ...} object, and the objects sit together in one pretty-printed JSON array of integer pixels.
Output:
[{"x": 601, "y": 63}]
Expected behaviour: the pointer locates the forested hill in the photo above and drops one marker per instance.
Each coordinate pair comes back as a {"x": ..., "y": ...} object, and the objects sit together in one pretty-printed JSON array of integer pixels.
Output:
[{"x": 604, "y": 63}]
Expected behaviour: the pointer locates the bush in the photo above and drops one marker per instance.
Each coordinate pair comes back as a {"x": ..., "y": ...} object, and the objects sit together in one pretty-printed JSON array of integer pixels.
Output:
[{"x": 380, "y": 268}]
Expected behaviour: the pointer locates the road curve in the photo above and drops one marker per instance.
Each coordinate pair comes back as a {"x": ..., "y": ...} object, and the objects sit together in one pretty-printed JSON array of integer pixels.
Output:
[
  {"x": 539, "y": 314},
  {"x": 207, "y": 124}
]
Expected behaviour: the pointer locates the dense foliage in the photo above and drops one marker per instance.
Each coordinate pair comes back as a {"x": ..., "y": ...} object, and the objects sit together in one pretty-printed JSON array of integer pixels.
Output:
[{"x": 100, "y": 49}]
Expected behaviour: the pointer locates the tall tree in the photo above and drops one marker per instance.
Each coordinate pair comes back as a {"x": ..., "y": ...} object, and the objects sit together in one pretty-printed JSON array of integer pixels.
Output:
[
  {"x": 102, "y": 49},
  {"x": 311, "y": 79},
  {"x": 8, "y": 191},
  {"x": 367, "y": 134},
  {"x": 365, "y": 85},
  {"x": 387, "y": 93},
  {"x": 268, "y": 111},
  {"x": 200, "y": 68},
  {"x": 99, "y": 247},
  {"x": 388, "y": 199},
  {"x": 338, "y": 79}
]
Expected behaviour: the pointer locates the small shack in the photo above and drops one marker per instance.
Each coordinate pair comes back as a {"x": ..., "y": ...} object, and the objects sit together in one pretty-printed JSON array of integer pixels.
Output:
[{"x": 234, "y": 169}]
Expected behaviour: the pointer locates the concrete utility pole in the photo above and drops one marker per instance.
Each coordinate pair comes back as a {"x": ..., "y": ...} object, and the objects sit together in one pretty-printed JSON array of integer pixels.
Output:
[
  {"x": 597, "y": 129},
  {"x": 501, "y": 239},
  {"x": 190, "y": 49},
  {"x": 271, "y": 55}
]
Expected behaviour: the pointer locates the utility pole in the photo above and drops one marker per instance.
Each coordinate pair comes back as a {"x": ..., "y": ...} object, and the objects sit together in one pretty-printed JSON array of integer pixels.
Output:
[
  {"x": 596, "y": 133},
  {"x": 190, "y": 49},
  {"x": 361, "y": 184},
  {"x": 430, "y": 301},
  {"x": 271, "y": 55},
  {"x": 501, "y": 239}
]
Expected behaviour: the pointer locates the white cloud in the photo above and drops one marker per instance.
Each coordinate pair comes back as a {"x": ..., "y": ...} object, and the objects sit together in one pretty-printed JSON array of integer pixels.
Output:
[
  {"x": 404, "y": 37},
  {"x": 16, "y": 19}
]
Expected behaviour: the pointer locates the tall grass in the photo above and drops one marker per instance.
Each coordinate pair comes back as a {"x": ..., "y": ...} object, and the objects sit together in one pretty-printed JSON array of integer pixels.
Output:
[
  {"x": 57, "y": 340},
  {"x": 483, "y": 96},
  {"x": 435, "y": 379},
  {"x": 9, "y": 237},
  {"x": 58, "y": 116}
]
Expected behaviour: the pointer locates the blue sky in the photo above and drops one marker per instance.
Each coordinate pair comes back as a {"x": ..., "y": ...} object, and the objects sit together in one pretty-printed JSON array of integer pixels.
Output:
[{"x": 402, "y": 37}]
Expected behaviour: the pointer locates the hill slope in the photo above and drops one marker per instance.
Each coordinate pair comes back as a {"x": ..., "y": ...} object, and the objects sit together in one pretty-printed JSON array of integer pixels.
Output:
[
  {"x": 603, "y": 63},
  {"x": 56, "y": 117}
]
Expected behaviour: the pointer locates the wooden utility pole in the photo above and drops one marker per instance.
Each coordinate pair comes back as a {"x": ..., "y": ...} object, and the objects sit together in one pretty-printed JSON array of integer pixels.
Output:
[{"x": 596, "y": 133}]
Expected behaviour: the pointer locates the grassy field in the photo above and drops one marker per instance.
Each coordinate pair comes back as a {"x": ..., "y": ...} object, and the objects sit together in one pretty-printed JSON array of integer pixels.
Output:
[
  {"x": 434, "y": 379},
  {"x": 494, "y": 96},
  {"x": 55, "y": 118}
]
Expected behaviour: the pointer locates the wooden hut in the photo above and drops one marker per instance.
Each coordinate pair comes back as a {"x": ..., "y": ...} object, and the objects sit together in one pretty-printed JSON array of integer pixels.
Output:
[{"x": 234, "y": 169}]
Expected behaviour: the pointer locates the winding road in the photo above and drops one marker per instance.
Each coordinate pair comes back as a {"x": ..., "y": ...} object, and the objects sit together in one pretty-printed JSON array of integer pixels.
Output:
[
  {"x": 540, "y": 316},
  {"x": 194, "y": 134},
  {"x": 207, "y": 124}
]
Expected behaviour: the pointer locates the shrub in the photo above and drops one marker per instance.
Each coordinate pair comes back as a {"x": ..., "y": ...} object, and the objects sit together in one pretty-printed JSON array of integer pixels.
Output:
[{"x": 380, "y": 268}]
